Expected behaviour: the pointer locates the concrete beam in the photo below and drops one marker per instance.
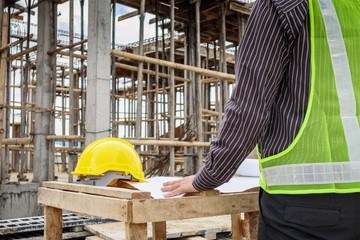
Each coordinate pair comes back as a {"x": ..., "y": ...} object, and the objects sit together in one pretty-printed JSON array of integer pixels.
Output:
[
  {"x": 98, "y": 81},
  {"x": 18, "y": 201},
  {"x": 44, "y": 98}
]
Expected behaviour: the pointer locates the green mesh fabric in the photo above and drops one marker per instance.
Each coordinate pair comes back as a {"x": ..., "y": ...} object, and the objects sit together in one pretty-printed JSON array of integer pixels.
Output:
[{"x": 321, "y": 137}]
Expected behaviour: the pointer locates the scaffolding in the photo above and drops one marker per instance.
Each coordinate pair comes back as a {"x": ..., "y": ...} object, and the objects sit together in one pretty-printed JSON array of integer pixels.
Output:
[{"x": 167, "y": 93}]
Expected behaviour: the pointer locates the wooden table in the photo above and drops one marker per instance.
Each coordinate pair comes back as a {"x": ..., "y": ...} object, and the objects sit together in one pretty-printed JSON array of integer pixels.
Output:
[{"x": 137, "y": 208}]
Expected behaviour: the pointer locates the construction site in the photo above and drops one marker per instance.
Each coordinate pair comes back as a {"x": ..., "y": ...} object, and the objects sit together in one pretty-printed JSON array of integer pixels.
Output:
[{"x": 70, "y": 75}]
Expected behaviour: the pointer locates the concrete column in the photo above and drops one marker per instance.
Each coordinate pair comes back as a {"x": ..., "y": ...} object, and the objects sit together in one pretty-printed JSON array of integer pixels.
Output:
[
  {"x": 43, "y": 97},
  {"x": 98, "y": 71}
]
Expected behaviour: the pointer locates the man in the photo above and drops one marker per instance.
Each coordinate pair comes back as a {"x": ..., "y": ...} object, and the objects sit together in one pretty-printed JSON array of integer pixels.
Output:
[{"x": 298, "y": 96}]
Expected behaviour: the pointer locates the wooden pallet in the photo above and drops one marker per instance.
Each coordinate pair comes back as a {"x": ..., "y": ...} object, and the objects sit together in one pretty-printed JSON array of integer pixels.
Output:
[{"x": 137, "y": 208}]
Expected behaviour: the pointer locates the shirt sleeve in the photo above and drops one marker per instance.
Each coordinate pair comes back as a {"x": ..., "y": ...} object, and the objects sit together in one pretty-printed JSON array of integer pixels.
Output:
[{"x": 259, "y": 67}]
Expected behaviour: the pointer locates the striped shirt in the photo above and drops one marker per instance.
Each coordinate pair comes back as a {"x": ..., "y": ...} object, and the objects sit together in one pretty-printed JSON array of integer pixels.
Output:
[{"x": 269, "y": 100}]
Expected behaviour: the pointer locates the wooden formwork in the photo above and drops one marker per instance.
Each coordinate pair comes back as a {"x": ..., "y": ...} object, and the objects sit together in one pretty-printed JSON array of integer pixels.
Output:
[{"x": 137, "y": 208}]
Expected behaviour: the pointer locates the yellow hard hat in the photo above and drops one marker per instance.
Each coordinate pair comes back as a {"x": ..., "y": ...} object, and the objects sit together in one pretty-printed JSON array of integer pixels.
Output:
[{"x": 110, "y": 154}]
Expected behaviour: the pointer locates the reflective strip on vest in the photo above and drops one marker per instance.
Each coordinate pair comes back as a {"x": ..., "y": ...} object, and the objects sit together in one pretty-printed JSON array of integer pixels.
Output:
[
  {"x": 313, "y": 173},
  {"x": 332, "y": 172},
  {"x": 343, "y": 80}
]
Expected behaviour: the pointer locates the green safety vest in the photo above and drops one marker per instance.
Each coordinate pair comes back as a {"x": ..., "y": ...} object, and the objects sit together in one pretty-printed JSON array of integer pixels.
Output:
[{"x": 325, "y": 155}]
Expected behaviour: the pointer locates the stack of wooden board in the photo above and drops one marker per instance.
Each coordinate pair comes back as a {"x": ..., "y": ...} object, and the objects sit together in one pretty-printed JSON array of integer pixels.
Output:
[{"x": 136, "y": 208}]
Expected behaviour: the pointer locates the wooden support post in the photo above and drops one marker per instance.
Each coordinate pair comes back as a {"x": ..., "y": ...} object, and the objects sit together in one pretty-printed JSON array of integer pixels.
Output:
[
  {"x": 53, "y": 43},
  {"x": 136, "y": 231},
  {"x": 159, "y": 230},
  {"x": 113, "y": 74},
  {"x": 82, "y": 115},
  {"x": 250, "y": 225},
  {"x": 188, "y": 169},
  {"x": 171, "y": 104},
  {"x": 149, "y": 115},
  {"x": 63, "y": 120},
  {"x": 3, "y": 67},
  {"x": 243, "y": 24},
  {"x": 157, "y": 126},
  {"x": 140, "y": 76},
  {"x": 239, "y": 27},
  {"x": 198, "y": 91},
  {"x": 53, "y": 223},
  {"x": 223, "y": 48},
  {"x": 2, "y": 6},
  {"x": 6, "y": 159},
  {"x": 163, "y": 55},
  {"x": 236, "y": 228},
  {"x": 72, "y": 155}
]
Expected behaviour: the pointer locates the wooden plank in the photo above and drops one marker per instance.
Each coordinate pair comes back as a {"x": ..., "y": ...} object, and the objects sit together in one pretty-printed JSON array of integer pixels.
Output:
[
  {"x": 194, "y": 238},
  {"x": 150, "y": 72},
  {"x": 93, "y": 238},
  {"x": 159, "y": 230},
  {"x": 239, "y": 8},
  {"x": 174, "y": 229},
  {"x": 67, "y": 46},
  {"x": 204, "y": 193},
  {"x": 15, "y": 43},
  {"x": 202, "y": 71},
  {"x": 53, "y": 223},
  {"x": 135, "y": 231},
  {"x": 174, "y": 143},
  {"x": 85, "y": 203},
  {"x": 17, "y": 141},
  {"x": 17, "y": 55},
  {"x": 128, "y": 15},
  {"x": 157, "y": 210},
  {"x": 121, "y": 193},
  {"x": 236, "y": 228}
]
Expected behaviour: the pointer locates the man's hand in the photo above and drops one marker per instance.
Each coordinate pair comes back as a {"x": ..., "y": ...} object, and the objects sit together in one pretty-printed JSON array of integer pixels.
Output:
[{"x": 179, "y": 186}]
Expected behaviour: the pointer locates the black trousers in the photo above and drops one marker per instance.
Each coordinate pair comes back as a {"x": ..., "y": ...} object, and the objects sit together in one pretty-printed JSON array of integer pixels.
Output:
[{"x": 309, "y": 216}]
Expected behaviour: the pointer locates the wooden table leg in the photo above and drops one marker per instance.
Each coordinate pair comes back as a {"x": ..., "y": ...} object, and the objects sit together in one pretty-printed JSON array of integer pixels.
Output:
[
  {"x": 250, "y": 225},
  {"x": 136, "y": 231},
  {"x": 159, "y": 230},
  {"x": 53, "y": 223},
  {"x": 236, "y": 227}
]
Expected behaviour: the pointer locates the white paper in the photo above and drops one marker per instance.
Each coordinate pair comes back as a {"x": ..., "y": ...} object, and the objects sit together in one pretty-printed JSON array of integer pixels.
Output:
[
  {"x": 154, "y": 186},
  {"x": 249, "y": 168},
  {"x": 236, "y": 184},
  {"x": 239, "y": 184}
]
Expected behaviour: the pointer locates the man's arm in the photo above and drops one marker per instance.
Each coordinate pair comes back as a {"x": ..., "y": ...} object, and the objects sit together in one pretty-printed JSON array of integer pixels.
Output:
[{"x": 260, "y": 65}]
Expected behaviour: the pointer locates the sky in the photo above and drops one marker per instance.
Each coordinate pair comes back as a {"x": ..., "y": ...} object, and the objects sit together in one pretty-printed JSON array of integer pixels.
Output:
[{"x": 127, "y": 31}]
